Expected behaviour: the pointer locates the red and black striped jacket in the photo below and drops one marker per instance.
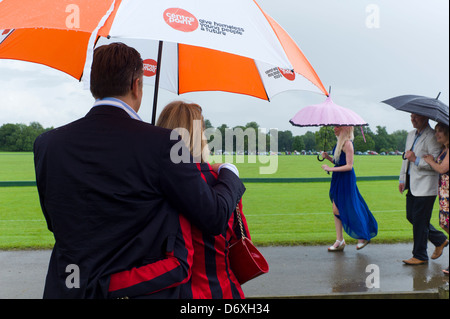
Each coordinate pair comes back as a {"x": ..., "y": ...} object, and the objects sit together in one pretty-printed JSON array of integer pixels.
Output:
[
  {"x": 199, "y": 262},
  {"x": 212, "y": 277}
]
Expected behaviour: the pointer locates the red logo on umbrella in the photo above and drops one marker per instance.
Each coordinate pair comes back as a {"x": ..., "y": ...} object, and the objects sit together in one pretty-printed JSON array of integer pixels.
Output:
[
  {"x": 180, "y": 20},
  {"x": 288, "y": 74},
  {"x": 149, "y": 67}
]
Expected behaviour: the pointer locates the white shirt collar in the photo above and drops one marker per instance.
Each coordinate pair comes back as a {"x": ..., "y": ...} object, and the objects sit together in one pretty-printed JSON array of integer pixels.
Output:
[{"x": 120, "y": 104}]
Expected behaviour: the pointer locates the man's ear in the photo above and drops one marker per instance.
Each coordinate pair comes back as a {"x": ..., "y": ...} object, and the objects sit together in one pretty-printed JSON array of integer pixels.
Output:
[{"x": 136, "y": 86}]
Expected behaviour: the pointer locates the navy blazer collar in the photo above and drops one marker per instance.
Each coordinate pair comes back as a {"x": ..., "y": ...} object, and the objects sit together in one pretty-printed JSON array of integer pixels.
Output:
[
  {"x": 118, "y": 103},
  {"x": 107, "y": 110}
]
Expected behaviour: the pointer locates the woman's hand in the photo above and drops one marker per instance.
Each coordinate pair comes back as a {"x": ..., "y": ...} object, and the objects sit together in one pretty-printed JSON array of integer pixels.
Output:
[
  {"x": 325, "y": 155},
  {"x": 326, "y": 168},
  {"x": 428, "y": 158},
  {"x": 215, "y": 167}
]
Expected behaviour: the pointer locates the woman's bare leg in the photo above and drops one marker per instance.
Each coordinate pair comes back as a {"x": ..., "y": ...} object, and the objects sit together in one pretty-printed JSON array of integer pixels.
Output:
[{"x": 337, "y": 224}]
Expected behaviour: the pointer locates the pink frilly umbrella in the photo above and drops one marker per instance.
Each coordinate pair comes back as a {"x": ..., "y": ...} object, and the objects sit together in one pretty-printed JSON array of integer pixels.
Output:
[{"x": 327, "y": 114}]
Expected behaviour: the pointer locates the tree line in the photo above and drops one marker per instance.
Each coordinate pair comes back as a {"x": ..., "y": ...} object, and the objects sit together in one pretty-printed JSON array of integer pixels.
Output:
[
  {"x": 20, "y": 138},
  {"x": 324, "y": 139},
  {"x": 379, "y": 141}
]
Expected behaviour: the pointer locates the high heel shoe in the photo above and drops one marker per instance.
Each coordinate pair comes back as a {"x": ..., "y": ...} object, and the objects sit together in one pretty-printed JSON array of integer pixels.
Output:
[
  {"x": 361, "y": 245},
  {"x": 337, "y": 246}
]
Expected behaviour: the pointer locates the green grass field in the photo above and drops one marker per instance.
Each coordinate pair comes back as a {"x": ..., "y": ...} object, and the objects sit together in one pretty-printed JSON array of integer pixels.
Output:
[{"x": 277, "y": 213}]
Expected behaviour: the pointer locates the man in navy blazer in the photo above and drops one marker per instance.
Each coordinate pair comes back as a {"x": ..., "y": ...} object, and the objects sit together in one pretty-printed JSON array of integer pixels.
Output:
[{"x": 111, "y": 194}]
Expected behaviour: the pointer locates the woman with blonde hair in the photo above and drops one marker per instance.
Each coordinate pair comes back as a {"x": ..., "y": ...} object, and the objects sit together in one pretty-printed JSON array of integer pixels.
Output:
[
  {"x": 349, "y": 208},
  {"x": 187, "y": 120},
  {"x": 212, "y": 277}
]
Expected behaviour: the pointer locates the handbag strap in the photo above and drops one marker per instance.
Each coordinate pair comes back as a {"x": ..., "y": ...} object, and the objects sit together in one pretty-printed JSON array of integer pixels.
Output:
[{"x": 238, "y": 212}]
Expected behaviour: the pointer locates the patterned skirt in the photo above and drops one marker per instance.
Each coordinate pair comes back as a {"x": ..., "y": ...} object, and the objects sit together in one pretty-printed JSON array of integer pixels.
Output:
[{"x": 443, "y": 200}]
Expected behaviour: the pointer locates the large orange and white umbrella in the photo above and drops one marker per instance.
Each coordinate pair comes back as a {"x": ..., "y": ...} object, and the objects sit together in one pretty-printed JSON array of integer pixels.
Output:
[
  {"x": 50, "y": 32},
  {"x": 231, "y": 46}
]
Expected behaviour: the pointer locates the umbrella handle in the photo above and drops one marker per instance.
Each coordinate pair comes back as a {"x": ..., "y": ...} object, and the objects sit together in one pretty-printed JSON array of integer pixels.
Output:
[
  {"x": 403, "y": 156},
  {"x": 321, "y": 160}
]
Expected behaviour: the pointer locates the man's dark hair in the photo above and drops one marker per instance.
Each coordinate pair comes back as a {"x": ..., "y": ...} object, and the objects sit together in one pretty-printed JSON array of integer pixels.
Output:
[{"x": 114, "y": 68}]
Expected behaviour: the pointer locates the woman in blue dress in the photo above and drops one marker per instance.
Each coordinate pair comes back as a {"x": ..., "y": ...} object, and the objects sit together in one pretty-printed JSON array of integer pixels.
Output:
[{"x": 349, "y": 208}]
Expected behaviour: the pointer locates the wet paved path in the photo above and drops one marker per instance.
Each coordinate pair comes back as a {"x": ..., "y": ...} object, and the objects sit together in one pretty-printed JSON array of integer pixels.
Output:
[
  {"x": 294, "y": 271},
  {"x": 312, "y": 270}
]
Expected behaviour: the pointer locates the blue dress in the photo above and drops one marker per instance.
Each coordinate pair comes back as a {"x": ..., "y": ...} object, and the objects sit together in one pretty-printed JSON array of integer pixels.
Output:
[{"x": 357, "y": 220}]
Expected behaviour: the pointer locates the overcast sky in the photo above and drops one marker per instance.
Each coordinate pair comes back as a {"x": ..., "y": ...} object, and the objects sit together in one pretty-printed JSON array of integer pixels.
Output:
[{"x": 367, "y": 51}]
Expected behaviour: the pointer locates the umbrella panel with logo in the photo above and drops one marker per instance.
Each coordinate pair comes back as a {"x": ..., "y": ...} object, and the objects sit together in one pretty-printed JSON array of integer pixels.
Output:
[
  {"x": 236, "y": 27},
  {"x": 186, "y": 68}
]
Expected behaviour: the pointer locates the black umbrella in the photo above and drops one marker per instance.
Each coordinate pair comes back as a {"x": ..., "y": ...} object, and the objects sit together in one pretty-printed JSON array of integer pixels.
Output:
[{"x": 432, "y": 108}]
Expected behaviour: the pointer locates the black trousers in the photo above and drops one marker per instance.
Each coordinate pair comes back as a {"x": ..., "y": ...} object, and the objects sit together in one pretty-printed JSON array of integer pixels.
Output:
[{"x": 418, "y": 213}]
